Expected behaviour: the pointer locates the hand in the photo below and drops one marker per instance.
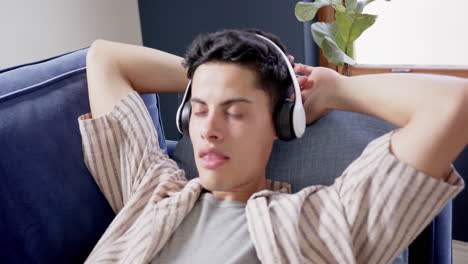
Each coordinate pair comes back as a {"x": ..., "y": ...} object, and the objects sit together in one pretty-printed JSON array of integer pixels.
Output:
[{"x": 318, "y": 85}]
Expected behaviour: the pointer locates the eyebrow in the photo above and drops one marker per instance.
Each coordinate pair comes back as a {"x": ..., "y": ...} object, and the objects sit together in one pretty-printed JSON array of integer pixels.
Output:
[{"x": 223, "y": 103}]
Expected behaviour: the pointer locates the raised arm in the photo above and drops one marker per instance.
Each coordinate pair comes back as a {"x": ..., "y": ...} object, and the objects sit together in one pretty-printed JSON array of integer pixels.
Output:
[
  {"x": 115, "y": 69},
  {"x": 430, "y": 109},
  {"x": 120, "y": 143}
]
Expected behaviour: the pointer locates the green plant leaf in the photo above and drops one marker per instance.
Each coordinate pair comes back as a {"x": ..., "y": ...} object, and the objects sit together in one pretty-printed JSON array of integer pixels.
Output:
[
  {"x": 306, "y": 11},
  {"x": 324, "y": 35},
  {"x": 336, "y": 39},
  {"x": 334, "y": 54},
  {"x": 321, "y": 29},
  {"x": 351, "y": 5},
  {"x": 350, "y": 25}
]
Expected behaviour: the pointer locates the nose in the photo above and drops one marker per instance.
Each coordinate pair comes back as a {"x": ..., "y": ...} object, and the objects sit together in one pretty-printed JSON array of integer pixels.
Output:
[{"x": 211, "y": 128}]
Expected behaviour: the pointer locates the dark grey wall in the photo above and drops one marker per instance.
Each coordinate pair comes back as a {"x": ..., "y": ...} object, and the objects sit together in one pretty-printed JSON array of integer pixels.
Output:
[{"x": 171, "y": 25}]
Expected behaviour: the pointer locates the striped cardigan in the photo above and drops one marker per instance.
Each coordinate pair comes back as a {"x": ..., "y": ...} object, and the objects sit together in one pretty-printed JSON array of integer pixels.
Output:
[{"x": 371, "y": 213}]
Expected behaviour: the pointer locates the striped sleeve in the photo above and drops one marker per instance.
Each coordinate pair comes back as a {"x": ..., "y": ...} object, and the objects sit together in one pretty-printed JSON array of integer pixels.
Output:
[
  {"x": 120, "y": 148},
  {"x": 386, "y": 202}
]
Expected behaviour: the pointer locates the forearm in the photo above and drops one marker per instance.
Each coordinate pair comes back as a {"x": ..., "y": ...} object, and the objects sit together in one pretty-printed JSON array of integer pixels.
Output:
[
  {"x": 147, "y": 70},
  {"x": 397, "y": 98}
]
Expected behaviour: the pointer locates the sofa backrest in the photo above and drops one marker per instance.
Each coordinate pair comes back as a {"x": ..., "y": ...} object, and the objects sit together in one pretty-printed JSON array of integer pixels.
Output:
[{"x": 320, "y": 156}]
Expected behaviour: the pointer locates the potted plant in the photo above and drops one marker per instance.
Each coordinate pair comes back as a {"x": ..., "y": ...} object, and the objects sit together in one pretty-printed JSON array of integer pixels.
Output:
[{"x": 336, "y": 39}]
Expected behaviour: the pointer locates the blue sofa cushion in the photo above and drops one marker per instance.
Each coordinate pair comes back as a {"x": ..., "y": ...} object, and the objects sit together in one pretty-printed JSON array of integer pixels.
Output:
[{"x": 52, "y": 210}]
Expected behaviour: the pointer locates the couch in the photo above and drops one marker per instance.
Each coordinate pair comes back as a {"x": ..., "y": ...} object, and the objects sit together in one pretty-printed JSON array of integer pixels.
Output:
[{"x": 52, "y": 210}]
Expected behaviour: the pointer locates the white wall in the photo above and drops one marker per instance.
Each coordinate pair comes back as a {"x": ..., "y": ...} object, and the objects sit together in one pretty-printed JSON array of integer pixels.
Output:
[
  {"x": 428, "y": 32},
  {"x": 33, "y": 30}
]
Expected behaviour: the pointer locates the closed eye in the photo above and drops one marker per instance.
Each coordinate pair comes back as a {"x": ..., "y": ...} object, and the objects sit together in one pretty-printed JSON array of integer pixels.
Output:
[
  {"x": 237, "y": 116},
  {"x": 199, "y": 113}
]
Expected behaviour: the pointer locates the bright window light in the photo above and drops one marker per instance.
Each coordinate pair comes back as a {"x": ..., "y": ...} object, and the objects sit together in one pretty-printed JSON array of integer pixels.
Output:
[{"x": 416, "y": 32}]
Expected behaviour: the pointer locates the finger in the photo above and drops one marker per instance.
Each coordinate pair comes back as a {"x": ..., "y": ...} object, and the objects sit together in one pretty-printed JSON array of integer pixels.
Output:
[
  {"x": 302, "y": 81},
  {"x": 305, "y": 83},
  {"x": 309, "y": 84},
  {"x": 307, "y": 92},
  {"x": 301, "y": 68},
  {"x": 304, "y": 95},
  {"x": 291, "y": 58}
]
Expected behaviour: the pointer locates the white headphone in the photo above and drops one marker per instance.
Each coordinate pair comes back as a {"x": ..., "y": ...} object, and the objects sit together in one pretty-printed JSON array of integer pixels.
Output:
[{"x": 289, "y": 117}]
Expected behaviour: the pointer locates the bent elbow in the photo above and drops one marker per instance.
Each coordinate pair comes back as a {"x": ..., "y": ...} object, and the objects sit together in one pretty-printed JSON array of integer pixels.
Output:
[
  {"x": 97, "y": 45},
  {"x": 96, "y": 51}
]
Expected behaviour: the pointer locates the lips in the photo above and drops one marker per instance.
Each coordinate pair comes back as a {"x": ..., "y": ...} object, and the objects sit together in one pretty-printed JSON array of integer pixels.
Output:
[{"x": 212, "y": 158}]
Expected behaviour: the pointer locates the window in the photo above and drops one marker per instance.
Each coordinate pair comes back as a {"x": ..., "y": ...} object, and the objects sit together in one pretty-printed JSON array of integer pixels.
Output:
[{"x": 411, "y": 36}]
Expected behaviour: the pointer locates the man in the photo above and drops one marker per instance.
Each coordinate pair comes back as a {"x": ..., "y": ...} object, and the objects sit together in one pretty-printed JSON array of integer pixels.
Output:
[{"x": 232, "y": 213}]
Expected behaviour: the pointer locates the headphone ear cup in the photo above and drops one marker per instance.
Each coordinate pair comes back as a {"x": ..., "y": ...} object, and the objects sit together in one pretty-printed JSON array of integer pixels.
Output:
[
  {"x": 283, "y": 121},
  {"x": 185, "y": 118}
]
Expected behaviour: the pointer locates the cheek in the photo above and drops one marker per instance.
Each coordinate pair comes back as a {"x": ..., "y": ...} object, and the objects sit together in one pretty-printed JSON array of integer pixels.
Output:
[
  {"x": 194, "y": 134},
  {"x": 264, "y": 126},
  {"x": 195, "y": 126},
  {"x": 255, "y": 137},
  {"x": 239, "y": 130},
  {"x": 192, "y": 128},
  {"x": 258, "y": 126},
  {"x": 254, "y": 149}
]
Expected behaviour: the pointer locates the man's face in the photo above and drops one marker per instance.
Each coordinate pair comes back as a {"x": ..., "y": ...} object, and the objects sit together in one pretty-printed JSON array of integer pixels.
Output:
[{"x": 231, "y": 128}]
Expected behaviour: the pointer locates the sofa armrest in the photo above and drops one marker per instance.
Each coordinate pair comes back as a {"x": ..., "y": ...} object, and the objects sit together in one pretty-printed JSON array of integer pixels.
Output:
[{"x": 52, "y": 209}]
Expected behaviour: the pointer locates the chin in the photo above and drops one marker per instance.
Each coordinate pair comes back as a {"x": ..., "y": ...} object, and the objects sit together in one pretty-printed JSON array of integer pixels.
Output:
[{"x": 214, "y": 182}]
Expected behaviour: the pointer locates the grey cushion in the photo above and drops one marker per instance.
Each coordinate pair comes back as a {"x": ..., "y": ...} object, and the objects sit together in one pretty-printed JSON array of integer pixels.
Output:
[{"x": 320, "y": 156}]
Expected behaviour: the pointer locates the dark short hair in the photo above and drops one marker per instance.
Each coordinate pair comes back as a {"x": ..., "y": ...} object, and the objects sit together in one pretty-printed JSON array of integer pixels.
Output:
[{"x": 245, "y": 48}]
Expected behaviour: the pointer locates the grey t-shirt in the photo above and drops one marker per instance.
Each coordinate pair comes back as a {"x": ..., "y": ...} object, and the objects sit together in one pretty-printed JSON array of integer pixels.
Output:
[{"x": 213, "y": 232}]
